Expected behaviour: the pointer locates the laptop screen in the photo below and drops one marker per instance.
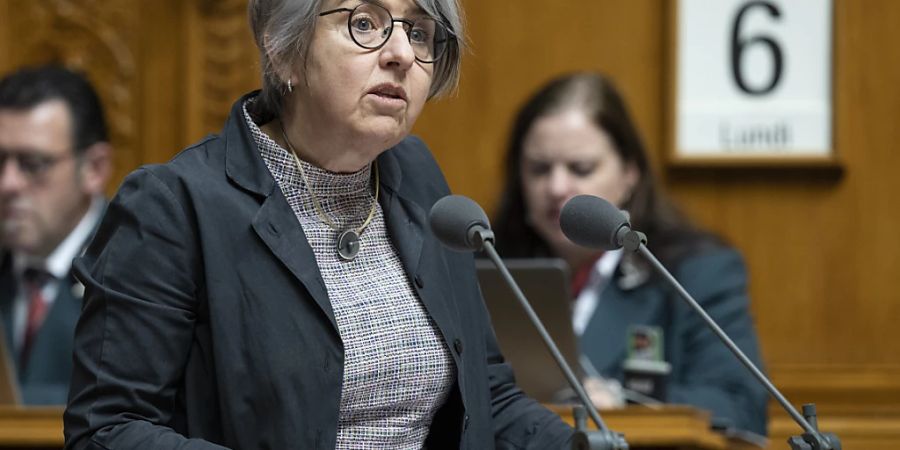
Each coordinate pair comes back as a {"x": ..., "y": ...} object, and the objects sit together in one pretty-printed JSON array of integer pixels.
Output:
[{"x": 545, "y": 283}]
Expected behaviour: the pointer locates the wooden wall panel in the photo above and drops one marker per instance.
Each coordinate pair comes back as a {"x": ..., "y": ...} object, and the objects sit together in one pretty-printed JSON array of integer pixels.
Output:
[
  {"x": 7, "y": 63},
  {"x": 517, "y": 45},
  {"x": 160, "y": 87},
  {"x": 820, "y": 248},
  {"x": 222, "y": 60},
  {"x": 98, "y": 38}
]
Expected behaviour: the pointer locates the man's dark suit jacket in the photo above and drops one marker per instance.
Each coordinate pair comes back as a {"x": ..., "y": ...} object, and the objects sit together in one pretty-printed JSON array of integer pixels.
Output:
[
  {"x": 45, "y": 381},
  {"x": 704, "y": 372},
  {"x": 206, "y": 321}
]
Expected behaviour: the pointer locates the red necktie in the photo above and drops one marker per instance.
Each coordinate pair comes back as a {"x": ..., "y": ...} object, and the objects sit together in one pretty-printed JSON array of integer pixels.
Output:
[
  {"x": 34, "y": 281},
  {"x": 582, "y": 275}
]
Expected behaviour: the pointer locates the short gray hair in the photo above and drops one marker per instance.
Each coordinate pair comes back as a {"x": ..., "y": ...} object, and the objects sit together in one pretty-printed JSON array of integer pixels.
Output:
[{"x": 283, "y": 30}]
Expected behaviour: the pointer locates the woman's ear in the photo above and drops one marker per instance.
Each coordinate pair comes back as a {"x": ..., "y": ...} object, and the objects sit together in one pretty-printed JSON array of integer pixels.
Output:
[
  {"x": 632, "y": 178},
  {"x": 280, "y": 68}
]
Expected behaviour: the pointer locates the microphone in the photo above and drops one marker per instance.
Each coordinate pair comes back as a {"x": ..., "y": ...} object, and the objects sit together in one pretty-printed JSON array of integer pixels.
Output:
[
  {"x": 594, "y": 222},
  {"x": 461, "y": 225}
]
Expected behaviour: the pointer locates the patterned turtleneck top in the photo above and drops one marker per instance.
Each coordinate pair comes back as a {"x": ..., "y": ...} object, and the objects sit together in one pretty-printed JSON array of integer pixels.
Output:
[{"x": 397, "y": 369}]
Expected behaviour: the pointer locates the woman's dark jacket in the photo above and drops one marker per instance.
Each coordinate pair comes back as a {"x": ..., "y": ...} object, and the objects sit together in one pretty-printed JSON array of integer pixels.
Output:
[{"x": 206, "y": 322}]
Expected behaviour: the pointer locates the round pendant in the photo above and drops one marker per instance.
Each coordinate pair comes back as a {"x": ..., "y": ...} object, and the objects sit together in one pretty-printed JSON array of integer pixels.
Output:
[{"x": 348, "y": 245}]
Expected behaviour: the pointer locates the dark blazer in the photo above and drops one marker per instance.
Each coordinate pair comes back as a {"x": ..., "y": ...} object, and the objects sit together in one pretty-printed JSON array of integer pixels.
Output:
[
  {"x": 46, "y": 379},
  {"x": 206, "y": 322},
  {"x": 704, "y": 372}
]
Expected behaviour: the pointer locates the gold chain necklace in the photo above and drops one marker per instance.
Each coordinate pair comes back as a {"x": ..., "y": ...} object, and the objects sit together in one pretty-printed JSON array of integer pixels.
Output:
[{"x": 348, "y": 240}]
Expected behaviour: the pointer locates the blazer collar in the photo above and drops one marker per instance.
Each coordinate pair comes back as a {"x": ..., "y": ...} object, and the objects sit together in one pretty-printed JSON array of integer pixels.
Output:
[
  {"x": 631, "y": 274},
  {"x": 243, "y": 165}
]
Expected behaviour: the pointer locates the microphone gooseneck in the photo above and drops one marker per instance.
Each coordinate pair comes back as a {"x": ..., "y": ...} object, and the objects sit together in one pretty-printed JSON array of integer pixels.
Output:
[
  {"x": 594, "y": 222},
  {"x": 460, "y": 224}
]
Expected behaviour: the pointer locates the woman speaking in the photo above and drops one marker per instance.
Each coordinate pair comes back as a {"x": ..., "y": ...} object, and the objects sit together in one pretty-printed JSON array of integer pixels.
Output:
[{"x": 275, "y": 286}]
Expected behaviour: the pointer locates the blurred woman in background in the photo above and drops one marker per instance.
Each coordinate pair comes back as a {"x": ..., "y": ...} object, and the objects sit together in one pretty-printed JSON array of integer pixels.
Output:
[{"x": 575, "y": 136}]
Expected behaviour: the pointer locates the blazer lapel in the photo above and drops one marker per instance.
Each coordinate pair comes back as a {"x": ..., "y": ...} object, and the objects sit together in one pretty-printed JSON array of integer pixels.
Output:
[
  {"x": 7, "y": 295},
  {"x": 277, "y": 226},
  {"x": 53, "y": 342},
  {"x": 407, "y": 224},
  {"x": 603, "y": 340},
  {"x": 274, "y": 222}
]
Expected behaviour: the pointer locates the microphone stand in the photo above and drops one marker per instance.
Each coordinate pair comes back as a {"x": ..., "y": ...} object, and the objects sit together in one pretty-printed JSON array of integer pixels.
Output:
[
  {"x": 604, "y": 438},
  {"x": 811, "y": 439}
]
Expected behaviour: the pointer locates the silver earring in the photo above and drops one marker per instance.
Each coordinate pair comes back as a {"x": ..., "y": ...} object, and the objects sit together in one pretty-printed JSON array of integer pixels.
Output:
[{"x": 290, "y": 88}]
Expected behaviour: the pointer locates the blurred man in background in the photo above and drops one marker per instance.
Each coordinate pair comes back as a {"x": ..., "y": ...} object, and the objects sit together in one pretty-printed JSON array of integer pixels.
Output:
[{"x": 55, "y": 160}]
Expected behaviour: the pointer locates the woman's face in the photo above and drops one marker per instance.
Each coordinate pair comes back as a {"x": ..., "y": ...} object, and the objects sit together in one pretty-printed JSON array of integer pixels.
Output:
[
  {"x": 363, "y": 99},
  {"x": 565, "y": 155}
]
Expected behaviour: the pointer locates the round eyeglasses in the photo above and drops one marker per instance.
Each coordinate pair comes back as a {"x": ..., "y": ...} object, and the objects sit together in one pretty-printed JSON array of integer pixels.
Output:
[{"x": 371, "y": 26}]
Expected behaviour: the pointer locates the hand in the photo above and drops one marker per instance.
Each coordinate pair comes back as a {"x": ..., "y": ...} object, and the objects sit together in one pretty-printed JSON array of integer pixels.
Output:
[{"x": 604, "y": 393}]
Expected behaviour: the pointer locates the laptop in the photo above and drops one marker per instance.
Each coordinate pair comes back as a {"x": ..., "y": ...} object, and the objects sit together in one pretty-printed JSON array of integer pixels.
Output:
[{"x": 545, "y": 283}]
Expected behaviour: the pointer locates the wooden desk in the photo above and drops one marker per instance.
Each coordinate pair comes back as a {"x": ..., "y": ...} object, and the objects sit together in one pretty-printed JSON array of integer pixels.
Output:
[
  {"x": 674, "y": 427},
  {"x": 31, "y": 428}
]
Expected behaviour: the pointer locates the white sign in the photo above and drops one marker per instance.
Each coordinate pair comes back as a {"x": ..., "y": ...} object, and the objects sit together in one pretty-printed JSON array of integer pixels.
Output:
[{"x": 754, "y": 78}]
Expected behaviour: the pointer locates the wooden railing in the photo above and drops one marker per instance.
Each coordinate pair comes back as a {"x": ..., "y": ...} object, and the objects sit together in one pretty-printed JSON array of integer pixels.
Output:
[{"x": 672, "y": 427}]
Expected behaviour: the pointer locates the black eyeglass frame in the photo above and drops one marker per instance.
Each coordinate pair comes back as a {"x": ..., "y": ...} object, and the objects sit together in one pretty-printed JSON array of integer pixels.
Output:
[
  {"x": 33, "y": 166},
  {"x": 407, "y": 22}
]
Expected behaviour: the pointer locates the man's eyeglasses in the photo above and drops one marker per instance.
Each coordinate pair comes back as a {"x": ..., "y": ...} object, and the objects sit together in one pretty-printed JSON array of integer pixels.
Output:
[
  {"x": 371, "y": 26},
  {"x": 31, "y": 165}
]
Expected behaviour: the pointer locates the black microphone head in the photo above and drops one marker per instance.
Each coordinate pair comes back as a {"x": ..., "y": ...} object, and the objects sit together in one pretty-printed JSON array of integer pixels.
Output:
[
  {"x": 452, "y": 219},
  {"x": 592, "y": 222}
]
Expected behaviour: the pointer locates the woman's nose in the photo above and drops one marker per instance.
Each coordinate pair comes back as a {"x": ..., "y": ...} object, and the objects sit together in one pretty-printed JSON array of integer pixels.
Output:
[
  {"x": 560, "y": 182},
  {"x": 398, "y": 51}
]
